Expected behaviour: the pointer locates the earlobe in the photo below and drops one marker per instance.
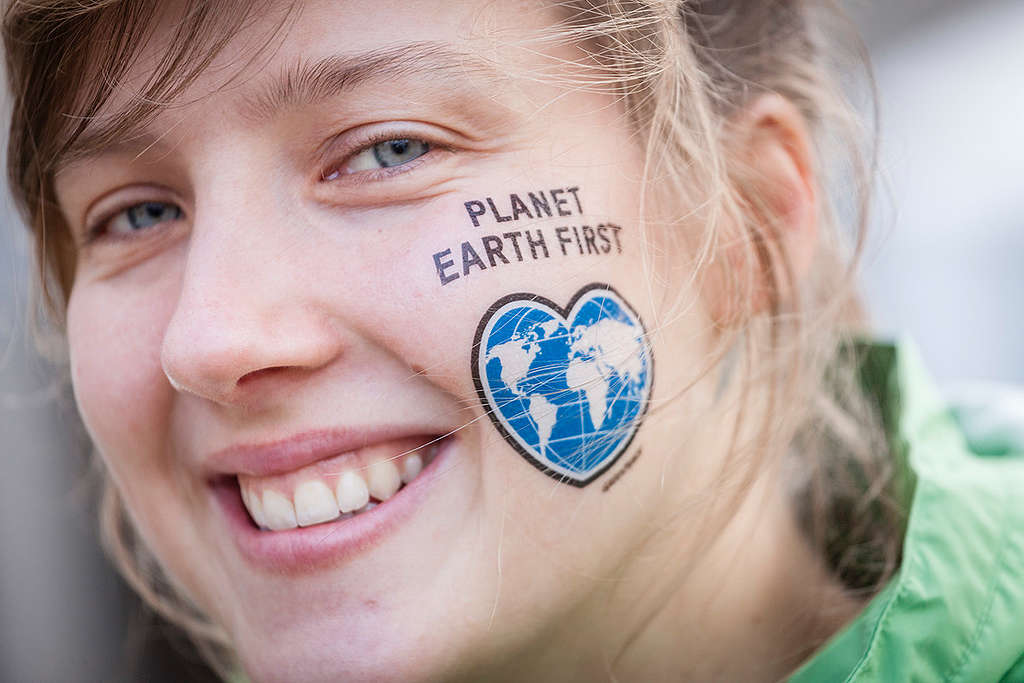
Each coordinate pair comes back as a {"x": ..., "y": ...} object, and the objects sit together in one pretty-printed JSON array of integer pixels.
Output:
[{"x": 773, "y": 173}]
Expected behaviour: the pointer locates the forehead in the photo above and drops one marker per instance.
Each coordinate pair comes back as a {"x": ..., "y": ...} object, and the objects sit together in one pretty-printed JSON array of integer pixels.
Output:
[{"x": 296, "y": 52}]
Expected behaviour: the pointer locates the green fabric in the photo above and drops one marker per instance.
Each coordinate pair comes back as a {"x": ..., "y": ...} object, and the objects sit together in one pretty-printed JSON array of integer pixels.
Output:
[{"x": 955, "y": 609}]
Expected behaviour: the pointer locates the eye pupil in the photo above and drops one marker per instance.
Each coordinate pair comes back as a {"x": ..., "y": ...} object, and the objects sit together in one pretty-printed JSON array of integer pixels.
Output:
[
  {"x": 148, "y": 214},
  {"x": 401, "y": 151}
]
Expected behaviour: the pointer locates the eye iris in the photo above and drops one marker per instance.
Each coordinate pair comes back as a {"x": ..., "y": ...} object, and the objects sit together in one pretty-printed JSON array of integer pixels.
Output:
[
  {"x": 150, "y": 213},
  {"x": 398, "y": 152}
]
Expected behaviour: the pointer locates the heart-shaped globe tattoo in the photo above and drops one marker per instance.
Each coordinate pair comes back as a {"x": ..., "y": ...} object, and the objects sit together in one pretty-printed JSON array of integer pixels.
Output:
[{"x": 566, "y": 387}]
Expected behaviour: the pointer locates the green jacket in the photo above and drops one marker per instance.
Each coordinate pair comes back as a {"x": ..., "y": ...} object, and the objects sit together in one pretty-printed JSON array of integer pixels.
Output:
[{"x": 955, "y": 609}]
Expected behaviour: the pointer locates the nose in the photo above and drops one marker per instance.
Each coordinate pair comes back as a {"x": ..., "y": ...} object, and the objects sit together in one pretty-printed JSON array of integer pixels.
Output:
[{"x": 247, "y": 313}]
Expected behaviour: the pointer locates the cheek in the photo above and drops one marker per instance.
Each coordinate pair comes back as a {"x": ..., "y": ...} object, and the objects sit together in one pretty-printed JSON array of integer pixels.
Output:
[{"x": 114, "y": 342}]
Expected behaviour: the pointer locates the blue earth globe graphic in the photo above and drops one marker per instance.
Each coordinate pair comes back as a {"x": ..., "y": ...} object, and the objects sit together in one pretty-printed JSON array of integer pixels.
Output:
[{"x": 573, "y": 390}]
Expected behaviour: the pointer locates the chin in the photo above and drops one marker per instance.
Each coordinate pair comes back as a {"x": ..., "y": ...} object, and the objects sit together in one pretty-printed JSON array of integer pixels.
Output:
[{"x": 343, "y": 648}]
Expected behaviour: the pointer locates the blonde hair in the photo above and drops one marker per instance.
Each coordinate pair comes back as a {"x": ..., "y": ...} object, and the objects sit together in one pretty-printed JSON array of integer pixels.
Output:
[{"x": 682, "y": 70}]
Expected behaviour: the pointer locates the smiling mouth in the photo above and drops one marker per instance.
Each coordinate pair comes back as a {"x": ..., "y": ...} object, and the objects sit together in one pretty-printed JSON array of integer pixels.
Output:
[{"x": 339, "y": 487}]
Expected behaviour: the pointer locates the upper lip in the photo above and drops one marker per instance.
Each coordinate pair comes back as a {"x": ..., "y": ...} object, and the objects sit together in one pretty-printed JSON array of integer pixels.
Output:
[{"x": 290, "y": 453}]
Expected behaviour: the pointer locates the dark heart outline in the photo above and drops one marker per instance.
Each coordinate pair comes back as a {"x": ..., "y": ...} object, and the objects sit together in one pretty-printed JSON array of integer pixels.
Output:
[{"x": 564, "y": 312}]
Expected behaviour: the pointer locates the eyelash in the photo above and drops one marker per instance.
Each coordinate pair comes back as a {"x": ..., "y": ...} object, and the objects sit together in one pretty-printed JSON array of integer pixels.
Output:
[
  {"x": 97, "y": 230},
  {"x": 369, "y": 142}
]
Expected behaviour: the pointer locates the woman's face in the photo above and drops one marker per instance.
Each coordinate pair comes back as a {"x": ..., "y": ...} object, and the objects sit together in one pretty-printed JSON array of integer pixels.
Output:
[{"x": 279, "y": 289}]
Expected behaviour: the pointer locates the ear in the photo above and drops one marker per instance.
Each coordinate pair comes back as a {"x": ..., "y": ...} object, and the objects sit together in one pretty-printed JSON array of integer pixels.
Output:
[{"x": 773, "y": 170}]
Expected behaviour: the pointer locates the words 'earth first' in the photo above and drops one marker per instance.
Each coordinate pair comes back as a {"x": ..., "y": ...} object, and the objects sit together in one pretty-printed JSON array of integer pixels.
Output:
[
  {"x": 533, "y": 244},
  {"x": 568, "y": 387},
  {"x": 516, "y": 245}
]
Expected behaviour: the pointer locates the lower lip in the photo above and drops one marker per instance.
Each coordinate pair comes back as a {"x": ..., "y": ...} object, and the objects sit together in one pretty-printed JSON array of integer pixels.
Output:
[{"x": 312, "y": 548}]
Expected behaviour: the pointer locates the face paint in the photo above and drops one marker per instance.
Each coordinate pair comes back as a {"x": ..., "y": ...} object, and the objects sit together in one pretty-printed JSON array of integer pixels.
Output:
[
  {"x": 508, "y": 246},
  {"x": 566, "y": 387},
  {"x": 539, "y": 204}
]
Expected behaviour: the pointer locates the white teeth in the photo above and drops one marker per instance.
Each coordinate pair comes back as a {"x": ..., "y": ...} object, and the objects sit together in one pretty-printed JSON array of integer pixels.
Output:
[
  {"x": 351, "y": 492},
  {"x": 278, "y": 511},
  {"x": 383, "y": 479},
  {"x": 412, "y": 465},
  {"x": 254, "y": 506},
  {"x": 314, "y": 503}
]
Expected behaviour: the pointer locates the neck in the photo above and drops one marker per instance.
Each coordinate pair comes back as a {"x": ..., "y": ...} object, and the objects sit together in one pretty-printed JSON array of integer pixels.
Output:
[
  {"x": 753, "y": 607},
  {"x": 756, "y": 604}
]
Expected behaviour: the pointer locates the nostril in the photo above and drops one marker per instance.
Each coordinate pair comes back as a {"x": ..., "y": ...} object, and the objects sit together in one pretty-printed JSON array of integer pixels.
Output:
[{"x": 261, "y": 373}]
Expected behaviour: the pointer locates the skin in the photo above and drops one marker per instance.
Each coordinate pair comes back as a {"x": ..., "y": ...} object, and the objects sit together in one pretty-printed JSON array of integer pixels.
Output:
[{"x": 281, "y": 302}]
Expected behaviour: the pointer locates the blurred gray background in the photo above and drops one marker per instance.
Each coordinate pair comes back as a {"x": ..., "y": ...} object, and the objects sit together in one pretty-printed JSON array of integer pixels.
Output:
[{"x": 943, "y": 266}]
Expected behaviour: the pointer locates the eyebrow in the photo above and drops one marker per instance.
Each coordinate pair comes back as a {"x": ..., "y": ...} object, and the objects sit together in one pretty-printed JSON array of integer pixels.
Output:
[{"x": 304, "y": 82}]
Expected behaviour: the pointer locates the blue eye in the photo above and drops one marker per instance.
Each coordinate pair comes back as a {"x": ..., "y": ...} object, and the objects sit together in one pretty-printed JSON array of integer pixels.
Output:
[
  {"x": 398, "y": 152},
  {"x": 386, "y": 154},
  {"x": 140, "y": 216}
]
